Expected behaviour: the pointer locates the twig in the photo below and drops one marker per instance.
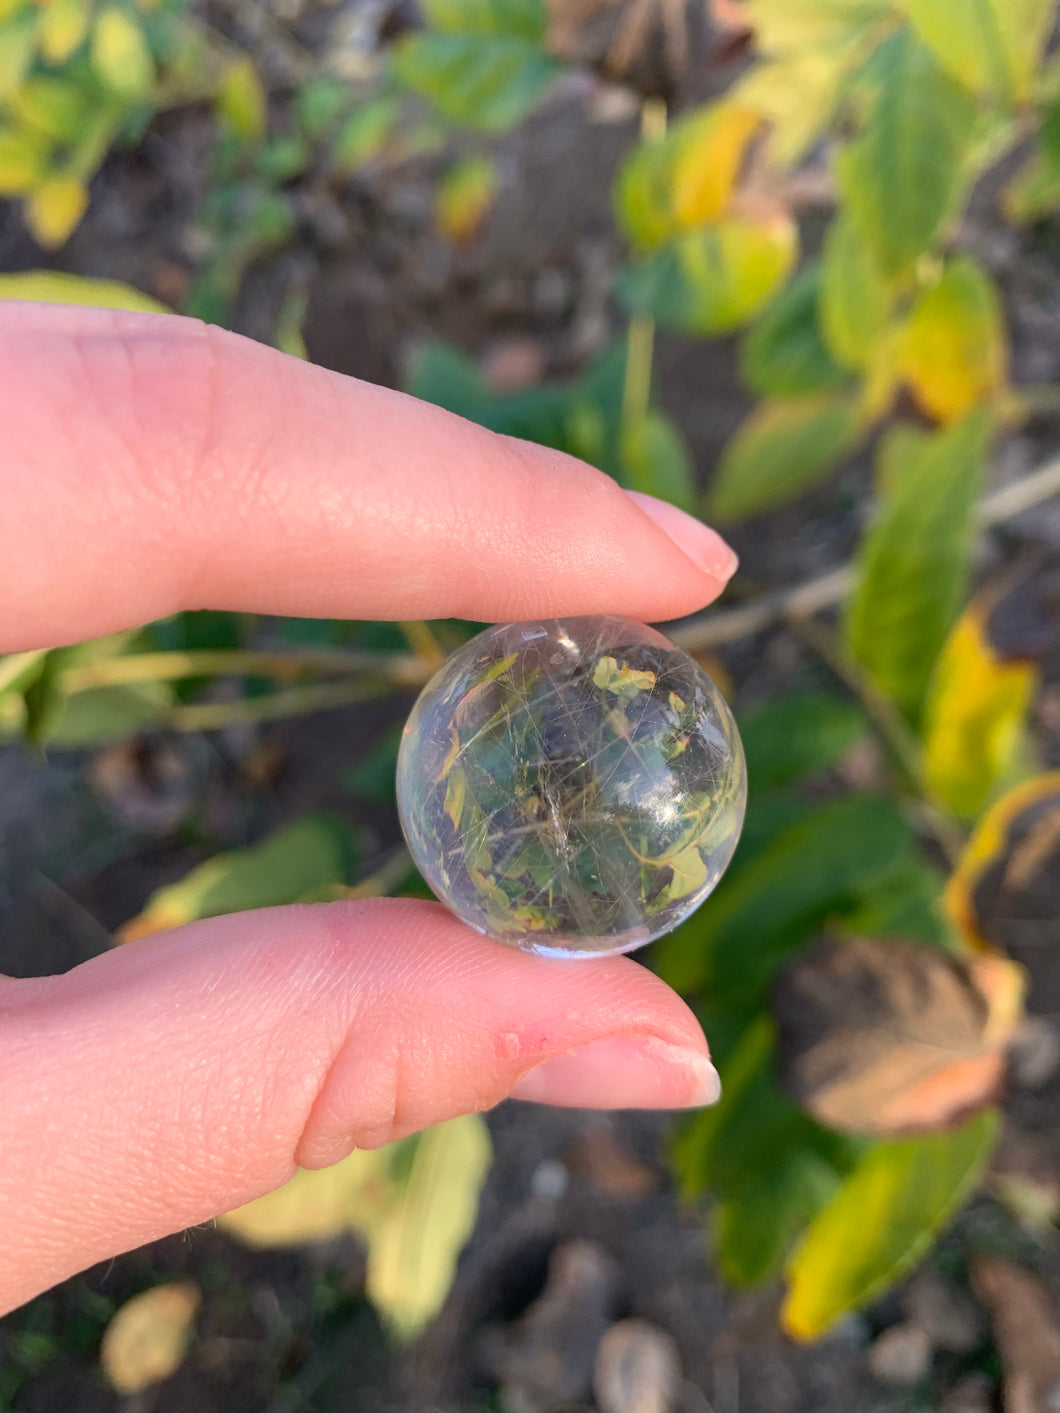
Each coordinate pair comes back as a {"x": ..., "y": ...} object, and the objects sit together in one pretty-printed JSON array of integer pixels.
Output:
[
  {"x": 295, "y": 701},
  {"x": 397, "y": 668},
  {"x": 804, "y": 600},
  {"x": 640, "y": 341}
]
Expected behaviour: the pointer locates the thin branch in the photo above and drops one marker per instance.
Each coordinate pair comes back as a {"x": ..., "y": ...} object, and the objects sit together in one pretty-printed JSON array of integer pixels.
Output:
[
  {"x": 804, "y": 600},
  {"x": 401, "y": 669}
]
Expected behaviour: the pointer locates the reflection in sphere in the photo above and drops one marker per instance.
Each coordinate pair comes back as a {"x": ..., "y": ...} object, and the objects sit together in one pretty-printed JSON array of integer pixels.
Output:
[{"x": 571, "y": 786}]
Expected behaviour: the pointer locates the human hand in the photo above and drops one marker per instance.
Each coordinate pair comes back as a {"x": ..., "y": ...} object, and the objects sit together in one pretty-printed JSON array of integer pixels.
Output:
[{"x": 151, "y": 465}]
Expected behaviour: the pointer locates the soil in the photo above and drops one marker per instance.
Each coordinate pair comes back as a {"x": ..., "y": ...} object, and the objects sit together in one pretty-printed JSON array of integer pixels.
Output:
[{"x": 290, "y": 1332}]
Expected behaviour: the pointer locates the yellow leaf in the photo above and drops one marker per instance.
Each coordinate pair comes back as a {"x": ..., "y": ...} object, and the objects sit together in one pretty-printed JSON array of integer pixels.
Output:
[
  {"x": 120, "y": 55},
  {"x": 953, "y": 347},
  {"x": 315, "y": 1205},
  {"x": 463, "y": 198},
  {"x": 708, "y": 153},
  {"x": 22, "y": 159},
  {"x": 63, "y": 27},
  {"x": 796, "y": 95},
  {"x": 975, "y": 716},
  {"x": 989, "y": 845},
  {"x": 241, "y": 100},
  {"x": 55, "y": 287},
  {"x": 991, "y": 46},
  {"x": 147, "y": 1339},
  {"x": 54, "y": 209},
  {"x": 413, "y": 1248}
]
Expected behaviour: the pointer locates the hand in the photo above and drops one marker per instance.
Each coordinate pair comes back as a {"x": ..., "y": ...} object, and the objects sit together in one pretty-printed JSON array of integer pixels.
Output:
[{"x": 152, "y": 465}]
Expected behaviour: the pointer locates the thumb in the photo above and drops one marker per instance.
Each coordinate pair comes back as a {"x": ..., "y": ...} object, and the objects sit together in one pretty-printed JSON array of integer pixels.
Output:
[{"x": 185, "y": 1074}]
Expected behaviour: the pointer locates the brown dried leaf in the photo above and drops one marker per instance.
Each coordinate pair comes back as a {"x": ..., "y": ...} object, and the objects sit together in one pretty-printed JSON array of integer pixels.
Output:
[
  {"x": 147, "y": 1339},
  {"x": 1026, "y": 1333},
  {"x": 638, "y": 1369},
  {"x": 890, "y": 1037}
]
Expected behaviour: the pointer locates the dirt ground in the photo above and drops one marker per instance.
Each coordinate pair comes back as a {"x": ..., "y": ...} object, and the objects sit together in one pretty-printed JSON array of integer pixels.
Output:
[{"x": 579, "y": 1226}]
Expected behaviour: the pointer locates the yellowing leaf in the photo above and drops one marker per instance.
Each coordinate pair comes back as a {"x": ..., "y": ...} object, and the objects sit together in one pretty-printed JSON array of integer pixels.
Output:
[
  {"x": 952, "y": 350},
  {"x": 975, "y": 716},
  {"x": 242, "y": 103},
  {"x": 1007, "y": 858},
  {"x": 780, "y": 451},
  {"x": 22, "y": 162},
  {"x": 463, "y": 198},
  {"x": 881, "y": 1221},
  {"x": 414, "y": 1202},
  {"x": 54, "y": 209},
  {"x": 714, "y": 280},
  {"x": 295, "y": 862},
  {"x": 990, "y": 46},
  {"x": 685, "y": 179},
  {"x": 854, "y": 300},
  {"x": 63, "y": 27},
  {"x": 147, "y": 1339},
  {"x": 413, "y": 1247},
  {"x": 797, "y": 93},
  {"x": 316, "y": 1204},
  {"x": 900, "y": 179},
  {"x": 708, "y": 152},
  {"x": 690, "y": 873},
  {"x": 55, "y": 287},
  {"x": 120, "y": 55},
  {"x": 783, "y": 26}
]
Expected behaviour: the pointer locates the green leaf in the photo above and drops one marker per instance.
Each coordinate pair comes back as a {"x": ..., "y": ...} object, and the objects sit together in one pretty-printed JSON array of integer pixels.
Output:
[
  {"x": 904, "y": 901},
  {"x": 413, "y": 1246},
  {"x": 655, "y": 459},
  {"x": 120, "y": 54},
  {"x": 912, "y": 567},
  {"x": 854, "y": 300},
  {"x": 23, "y": 161},
  {"x": 769, "y": 1166},
  {"x": 816, "y": 868},
  {"x": 901, "y": 179},
  {"x": 524, "y": 19},
  {"x": 784, "y": 354},
  {"x": 484, "y": 81},
  {"x": 798, "y": 734},
  {"x": 990, "y": 46},
  {"x": 783, "y": 449},
  {"x": 297, "y": 862},
  {"x": 713, "y": 280},
  {"x": 18, "y": 41},
  {"x": 100, "y": 715},
  {"x": 53, "y": 107},
  {"x": 363, "y": 135},
  {"x": 881, "y": 1221}
]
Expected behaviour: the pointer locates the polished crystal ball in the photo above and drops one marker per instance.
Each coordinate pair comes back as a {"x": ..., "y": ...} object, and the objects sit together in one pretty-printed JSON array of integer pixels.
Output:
[{"x": 572, "y": 786}]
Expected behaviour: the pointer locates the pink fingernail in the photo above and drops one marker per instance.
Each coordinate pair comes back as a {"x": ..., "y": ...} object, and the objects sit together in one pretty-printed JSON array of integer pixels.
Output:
[
  {"x": 699, "y": 542},
  {"x": 623, "y": 1072}
]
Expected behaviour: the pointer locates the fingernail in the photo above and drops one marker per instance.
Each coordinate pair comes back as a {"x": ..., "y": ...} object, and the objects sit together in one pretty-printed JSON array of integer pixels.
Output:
[
  {"x": 699, "y": 542},
  {"x": 623, "y": 1072}
]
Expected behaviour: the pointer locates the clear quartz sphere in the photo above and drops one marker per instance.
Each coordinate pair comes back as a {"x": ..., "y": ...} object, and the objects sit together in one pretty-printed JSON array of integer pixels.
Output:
[{"x": 571, "y": 786}]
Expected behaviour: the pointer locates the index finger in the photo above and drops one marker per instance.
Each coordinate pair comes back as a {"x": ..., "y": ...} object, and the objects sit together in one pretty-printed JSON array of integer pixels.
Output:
[{"x": 151, "y": 464}]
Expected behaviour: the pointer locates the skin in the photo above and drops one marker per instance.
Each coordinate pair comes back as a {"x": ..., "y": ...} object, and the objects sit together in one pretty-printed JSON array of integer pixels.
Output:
[{"x": 150, "y": 465}]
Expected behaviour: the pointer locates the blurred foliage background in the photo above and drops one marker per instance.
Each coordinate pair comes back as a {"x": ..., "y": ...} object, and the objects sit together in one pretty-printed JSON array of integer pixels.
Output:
[{"x": 792, "y": 265}]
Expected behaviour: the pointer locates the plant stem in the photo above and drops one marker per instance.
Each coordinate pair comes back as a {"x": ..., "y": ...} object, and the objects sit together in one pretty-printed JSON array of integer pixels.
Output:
[
  {"x": 420, "y": 638},
  {"x": 399, "y": 669},
  {"x": 796, "y": 604},
  {"x": 640, "y": 342},
  {"x": 295, "y": 701}
]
